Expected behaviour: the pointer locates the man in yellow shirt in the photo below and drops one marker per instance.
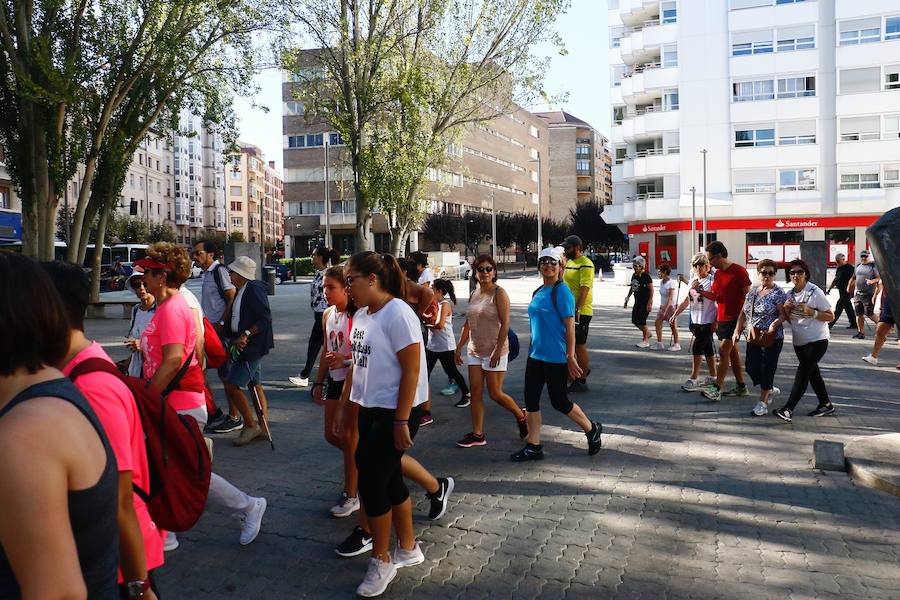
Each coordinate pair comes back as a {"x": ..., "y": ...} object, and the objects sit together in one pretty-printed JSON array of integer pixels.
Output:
[{"x": 579, "y": 276}]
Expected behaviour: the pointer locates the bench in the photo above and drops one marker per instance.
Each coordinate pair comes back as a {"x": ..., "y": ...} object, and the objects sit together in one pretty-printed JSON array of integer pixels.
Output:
[{"x": 97, "y": 310}]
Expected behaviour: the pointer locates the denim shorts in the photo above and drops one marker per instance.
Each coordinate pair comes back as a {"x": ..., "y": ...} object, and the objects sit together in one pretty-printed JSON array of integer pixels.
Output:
[{"x": 241, "y": 372}]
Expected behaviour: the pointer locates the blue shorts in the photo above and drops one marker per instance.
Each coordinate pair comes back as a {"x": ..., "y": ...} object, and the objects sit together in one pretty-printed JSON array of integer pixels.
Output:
[
  {"x": 242, "y": 372},
  {"x": 886, "y": 315}
]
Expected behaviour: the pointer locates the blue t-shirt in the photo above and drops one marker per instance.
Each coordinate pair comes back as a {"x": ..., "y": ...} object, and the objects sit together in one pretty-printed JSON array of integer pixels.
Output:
[{"x": 548, "y": 331}]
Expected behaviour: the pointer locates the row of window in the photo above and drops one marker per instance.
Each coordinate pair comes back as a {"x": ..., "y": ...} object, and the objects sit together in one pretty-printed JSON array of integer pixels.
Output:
[
  {"x": 855, "y": 177},
  {"x": 494, "y": 159},
  {"x": 314, "y": 140},
  {"x": 869, "y": 31},
  {"x": 738, "y": 4},
  {"x": 869, "y": 79},
  {"x": 317, "y": 207},
  {"x": 761, "y": 135},
  {"x": 766, "y": 41},
  {"x": 502, "y": 136},
  {"x": 446, "y": 177},
  {"x": 668, "y": 13},
  {"x": 765, "y": 89}
]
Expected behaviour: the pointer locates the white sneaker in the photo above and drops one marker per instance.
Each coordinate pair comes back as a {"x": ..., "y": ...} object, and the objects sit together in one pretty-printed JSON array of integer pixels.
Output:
[
  {"x": 871, "y": 360},
  {"x": 643, "y": 344},
  {"x": 761, "y": 409},
  {"x": 171, "y": 542},
  {"x": 252, "y": 520},
  {"x": 345, "y": 507},
  {"x": 657, "y": 346},
  {"x": 299, "y": 381},
  {"x": 407, "y": 558},
  {"x": 450, "y": 390},
  {"x": 692, "y": 385},
  {"x": 775, "y": 391},
  {"x": 674, "y": 348},
  {"x": 377, "y": 579}
]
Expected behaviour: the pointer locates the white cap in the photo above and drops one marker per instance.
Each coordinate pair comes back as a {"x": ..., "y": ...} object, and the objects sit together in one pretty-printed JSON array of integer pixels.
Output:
[
  {"x": 245, "y": 267},
  {"x": 551, "y": 252}
]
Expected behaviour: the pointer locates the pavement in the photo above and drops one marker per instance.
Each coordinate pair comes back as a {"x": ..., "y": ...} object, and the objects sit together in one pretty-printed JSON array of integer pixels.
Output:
[{"x": 687, "y": 498}]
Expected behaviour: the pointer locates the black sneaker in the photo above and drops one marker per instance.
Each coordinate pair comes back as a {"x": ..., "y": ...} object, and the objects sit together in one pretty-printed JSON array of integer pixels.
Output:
[
  {"x": 464, "y": 401},
  {"x": 823, "y": 411},
  {"x": 578, "y": 386},
  {"x": 859, "y": 336},
  {"x": 593, "y": 438},
  {"x": 784, "y": 414},
  {"x": 214, "y": 420},
  {"x": 529, "y": 452},
  {"x": 228, "y": 425},
  {"x": 850, "y": 327},
  {"x": 356, "y": 543},
  {"x": 439, "y": 498}
]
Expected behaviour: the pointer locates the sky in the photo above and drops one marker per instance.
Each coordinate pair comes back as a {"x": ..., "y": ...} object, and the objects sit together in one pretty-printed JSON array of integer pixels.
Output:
[{"x": 583, "y": 73}]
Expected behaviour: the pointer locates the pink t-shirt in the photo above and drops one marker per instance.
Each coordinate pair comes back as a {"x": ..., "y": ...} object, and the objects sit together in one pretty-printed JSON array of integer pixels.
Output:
[
  {"x": 112, "y": 401},
  {"x": 173, "y": 323}
]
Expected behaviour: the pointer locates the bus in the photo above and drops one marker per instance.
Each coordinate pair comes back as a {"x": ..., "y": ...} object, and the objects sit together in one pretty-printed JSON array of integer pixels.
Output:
[
  {"x": 59, "y": 249},
  {"x": 128, "y": 253}
]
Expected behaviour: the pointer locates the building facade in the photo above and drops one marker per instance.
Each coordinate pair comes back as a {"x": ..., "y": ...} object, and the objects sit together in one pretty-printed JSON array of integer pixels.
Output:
[
  {"x": 793, "y": 105},
  {"x": 255, "y": 200},
  {"x": 10, "y": 207},
  {"x": 580, "y": 163}
]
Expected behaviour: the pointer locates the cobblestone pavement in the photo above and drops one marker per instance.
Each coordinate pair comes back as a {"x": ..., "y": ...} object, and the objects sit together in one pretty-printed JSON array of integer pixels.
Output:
[{"x": 687, "y": 499}]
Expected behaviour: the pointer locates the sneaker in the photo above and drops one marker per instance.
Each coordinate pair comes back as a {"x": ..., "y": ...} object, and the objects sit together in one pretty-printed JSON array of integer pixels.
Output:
[
  {"x": 657, "y": 346},
  {"x": 299, "y": 380},
  {"x": 251, "y": 520},
  {"x": 850, "y": 327},
  {"x": 439, "y": 499},
  {"x": 529, "y": 452},
  {"x": 426, "y": 419},
  {"x": 783, "y": 414},
  {"x": 356, "y": 543},
  {"x": 775, "y": 391},
  {"x": 712, "y": 392},
  {"x": 738, "y": 389},
  {"x": 761, "y": 409},
  {"x": 593, "y": 438},
  {"x": 859, "y": 336},
  {"x": 463, "y": 402},
  {"x": 407, "y": 558},
  {"x": 523, "y": 428},
  {"x": 710, "y": 380},
  {"x": 228, "y": 425},
  {"x": 171, "y": 542},
  {"x": 377, "y": 579},
  {"x": 871, "y": 360},
  {"x": 674, "y": 348},
  {"x": 692, "y": 385},
  {"x": 470, "y": 439},
  {"x": 643, "y": 344},
  {"x": 345, "y": 507},
  {"x": 248, "y": 434},
  {"x": 578, "y": 387},
  {"x": 823, "y": 411},
  {"x": 217, "y": 419},
  {"x": 450, "y": 390}
]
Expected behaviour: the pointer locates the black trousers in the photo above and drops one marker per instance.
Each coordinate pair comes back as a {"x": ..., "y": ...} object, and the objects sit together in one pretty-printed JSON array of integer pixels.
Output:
[
  {"x": 447, "y": 360},
  {"x": 844, "y": 304},
  {"x": 808, "y": 374},
  {"x": 555, "y": 376},
  {"x": 381, "y": 484},
  {"x": 316, "y": 339}
]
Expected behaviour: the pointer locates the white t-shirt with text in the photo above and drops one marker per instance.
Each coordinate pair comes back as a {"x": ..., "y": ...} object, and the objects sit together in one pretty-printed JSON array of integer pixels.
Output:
[
  {"x": 805, "y": 329},
  {"x": 702, "y": 310}
]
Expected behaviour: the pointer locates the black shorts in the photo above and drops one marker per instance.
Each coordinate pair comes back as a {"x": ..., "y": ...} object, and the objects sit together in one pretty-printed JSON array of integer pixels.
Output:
[
  {"x": 702, "y": 344},
  {"x": 581, "y": 329},
  {"x": 333, "y": 389},
  {"x": 725, "y": 330},
  {"x": 864, "y": 305},
  {"x": 639, "y": 315},
  {"x": 886, "y": 315}
]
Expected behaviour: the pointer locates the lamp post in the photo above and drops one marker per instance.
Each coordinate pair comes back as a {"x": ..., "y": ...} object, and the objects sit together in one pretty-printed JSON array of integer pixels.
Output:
[
  {"x": 327, "y": 203},
  {"x": 705, "y": 239},
  {"x": 540, "y": 237},
  {"x": 693, "y": 218},
  {"x": 493, "y": 228}
]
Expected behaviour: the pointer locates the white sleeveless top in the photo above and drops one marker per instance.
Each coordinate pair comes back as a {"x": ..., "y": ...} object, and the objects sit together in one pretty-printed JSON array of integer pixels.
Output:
[
  {"x": 337, "y": 338},
  {"x": 442, "y": 340}
]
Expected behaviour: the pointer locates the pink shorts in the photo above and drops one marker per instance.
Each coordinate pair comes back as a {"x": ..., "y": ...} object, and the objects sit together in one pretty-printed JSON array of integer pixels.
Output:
[{"x": 665, "y": 313}]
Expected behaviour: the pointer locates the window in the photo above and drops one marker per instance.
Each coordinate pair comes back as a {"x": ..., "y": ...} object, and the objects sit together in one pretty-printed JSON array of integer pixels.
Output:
[
  {"x": 751, "y": 42},
  {"x": 796, "y": 87},
  {"x": 796, "y": 132},
  {"x": 891, "y": 127},
  {"x": 235, "y": 174},
  {"x": 315, "y": 140},
  {"x": 856, "y": 129},
  {"x": 618, "y": 115},
  {"x": 335, "y": 139},
  {"x": 158, "y": 187},
  {"x": 237, "y": 222},
  {"x": 316, "y": 207},
  {"x": 583, "y": 166},
  {"x": 621, "y": 155},
  {"x": 133, "y": 208},
  {"x": 856, "y": 81},
  {"x": 860, "y": 31},
  {"x": 343, "y": 207},
  {"x": 892, "y": 176},
  {"x": 796, "y": 179},
  {"x": 237, "y": 206},
  {"x": 669, "y": 56},
  {"x": 749, "y": 137},
  {"x": 736, "y": 4},
  {"x": 747, "y": 91},
  {"x": 582, "y": 151},
  {"x": 892, "y": 28},
  {"x": 615, "y": 37},
  {"x": 533, "y": 131},
  {"x": 236, "y": 190},
  {"x": 4, "y": 197},
  {"x": 755, "y": 181},
  {"x": 797, "y": 38},
  {"x": 670, "y": 99},
  {"x": 668, "y": 13},
  {"x": 296, "y": 141},
  {"x": 892, "y": 77},
  {"x": 292, "y": 107},
  {"x": 861, "y": 178},
  {"x": 131, "y": 180}
]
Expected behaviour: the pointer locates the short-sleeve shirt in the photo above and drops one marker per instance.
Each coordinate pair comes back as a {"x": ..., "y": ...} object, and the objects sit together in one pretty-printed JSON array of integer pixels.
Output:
[
  {"x": 211, "y": 300},
  {"x": 580, "y": 273},
  {"x": 728, "y": 287},
  {"x": 864, "y": 272},
  {"x": 140, "y": 319},
  {"x": 426, "y": 277},
  {"x": 808, "y": 329},
  {"x": 664, "y": 287},
  {"x": 703, "y": 310},
  {"x": 640, "y": 287},
  {"x": 173, "y": 323},
  {"x": 317, "y": 293},
  {"x": 842, "y": 276},
  {"x": 375, "y": 341},
  {"x": 763, "y": 311},
  {"x": 114, "y": 405},
  {"x": 548, "y": 328}
]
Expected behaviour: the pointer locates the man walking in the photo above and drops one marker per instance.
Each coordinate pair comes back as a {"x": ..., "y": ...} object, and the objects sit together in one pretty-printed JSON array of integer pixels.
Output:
[
  {"x": 729, "y": 289},
  {"x": 216, "y": 297},
  {"x": 579, "y": 277},
  {"x": 865, "y": 284},
  {"x": 842, "y": 276}
]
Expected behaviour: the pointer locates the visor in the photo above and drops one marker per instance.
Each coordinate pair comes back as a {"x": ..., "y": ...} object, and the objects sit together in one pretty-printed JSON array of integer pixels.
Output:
[{"x": 149, "y": 263}]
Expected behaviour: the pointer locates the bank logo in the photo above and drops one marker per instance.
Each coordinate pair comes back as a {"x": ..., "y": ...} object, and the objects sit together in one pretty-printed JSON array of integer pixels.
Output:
[{"x": 779, "y": 223}]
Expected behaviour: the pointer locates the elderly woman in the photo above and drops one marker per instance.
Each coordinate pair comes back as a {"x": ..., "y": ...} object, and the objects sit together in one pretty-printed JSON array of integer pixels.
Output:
[
  {"x": 702, "y": 325},
  {"x": 763, "y": 315},
  {"x": 141, "y": 315},
  {"x": 809, "y": 313},
  {"x": 642, "y": 289}
]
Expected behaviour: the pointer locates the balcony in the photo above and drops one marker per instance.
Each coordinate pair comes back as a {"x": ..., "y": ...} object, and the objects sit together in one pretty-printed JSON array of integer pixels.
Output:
[
  {"x": 649, "y": 123},
  {"x": 635, "y": 12},
  {"x": 583, "y": 172},
  {"x": 877, "y": 200},
  {"x": 646, "y": 82}
]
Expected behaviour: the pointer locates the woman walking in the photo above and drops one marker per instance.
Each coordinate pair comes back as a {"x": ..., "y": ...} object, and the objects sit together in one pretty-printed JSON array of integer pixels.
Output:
[
  {"x": 388, "y": 357},
  {"x": 667, "y": 298},
  {"x": 141, "y": 314},
  {"x": 762, "y": 316},
  {"x": 642, "y": 289},
  {"x": 809, "y": 313},
  {"x": 441, "y": 344},
  {"x": 484, "y": 334},
  {"x": 321, "y": 258},
  {"x": 551, "y": 360},
  {"x": 702, "y": 324}
]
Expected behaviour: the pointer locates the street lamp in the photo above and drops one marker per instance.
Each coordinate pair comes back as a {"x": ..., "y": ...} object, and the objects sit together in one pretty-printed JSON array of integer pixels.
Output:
[
  {"x": 540, "y": 238},
  {"x": 705, "y": 239},
  {"x": 466, "y": 236},
  {"x": 325, "y": 137},
  {"x": 693, "y": 217}
]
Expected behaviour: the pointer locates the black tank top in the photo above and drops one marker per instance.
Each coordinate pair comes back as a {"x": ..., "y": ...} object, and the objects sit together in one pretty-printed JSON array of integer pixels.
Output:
[{"x": 92, "y": 512}]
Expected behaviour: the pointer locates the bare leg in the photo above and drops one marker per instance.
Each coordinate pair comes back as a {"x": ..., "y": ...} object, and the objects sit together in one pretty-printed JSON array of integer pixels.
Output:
[
  {"x": 881, "y": 333},
  {"x": 403, "y": 524},
  {"x": 584, "y": 360},
  {"x": 236, "y": 395},
  {"x": 711, "y": 364},
  {"x": 736, "y": 367},
  {"x": 495, "y": 390},
  {"x": 534, "y": 427},
  {"x": 861, "y": 324},
  {"x": 724, "y": 360},
  {"x": 646, "y": 333},
  {"x": 380, "y": 528},
  {"x": 695, "y": 366},
  {"x": 764, "y": 396},
  {"x": 413, "y": 469},
  {"x": 674, "y": 329},
  {"x": 476, "y": 388},
  {"x": 579, "y": 418},
  {"x": 658, "y": 324}
]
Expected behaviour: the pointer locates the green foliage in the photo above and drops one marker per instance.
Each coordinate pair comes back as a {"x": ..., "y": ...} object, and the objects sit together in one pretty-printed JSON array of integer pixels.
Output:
[
  {"x": 216, "y": 237},
  {"x": 236, "y": 236},
  {"x": 160, "y": 232},
  {"x": 588, "y": 224}
]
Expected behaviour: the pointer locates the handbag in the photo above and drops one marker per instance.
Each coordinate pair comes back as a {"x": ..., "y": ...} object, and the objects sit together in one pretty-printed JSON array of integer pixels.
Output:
[{"x": 758, "y": 336}]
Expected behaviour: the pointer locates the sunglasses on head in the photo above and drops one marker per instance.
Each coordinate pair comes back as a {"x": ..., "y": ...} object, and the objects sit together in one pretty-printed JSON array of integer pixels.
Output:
[{"x": 487, "y": 269}]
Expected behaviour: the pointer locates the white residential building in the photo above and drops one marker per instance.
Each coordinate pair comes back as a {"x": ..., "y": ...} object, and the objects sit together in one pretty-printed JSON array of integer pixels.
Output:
[{"x": 796, "y": 102}]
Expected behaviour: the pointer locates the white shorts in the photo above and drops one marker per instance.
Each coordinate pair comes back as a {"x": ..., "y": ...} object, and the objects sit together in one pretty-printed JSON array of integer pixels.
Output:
[{"x": 485, "y": 363}]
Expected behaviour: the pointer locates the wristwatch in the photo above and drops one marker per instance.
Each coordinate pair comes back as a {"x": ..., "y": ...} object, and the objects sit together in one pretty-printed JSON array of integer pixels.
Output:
[{"x": 135, "y": 590}]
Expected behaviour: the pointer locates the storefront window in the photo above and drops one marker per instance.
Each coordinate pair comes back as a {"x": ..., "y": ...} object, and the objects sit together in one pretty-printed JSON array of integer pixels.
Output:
[
  {"x": 839, "y": 235},
  {"x": 786, "y": 237},
  {"x": 757, "y": 237}
]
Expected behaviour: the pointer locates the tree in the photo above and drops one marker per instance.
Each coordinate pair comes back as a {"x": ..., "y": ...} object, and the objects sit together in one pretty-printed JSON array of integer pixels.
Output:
[
  {"x": 525, "y": 230},
  {"x": 236, "y": 237},
  {"x": 441, "y": 228},
  {"x": 506, "y": 231},
  {"x": 553, "y": 231},
  {"x": 477, "y": 229},
  {"x": 160, "y": 232},
  {"x": 588, "y": 224}
]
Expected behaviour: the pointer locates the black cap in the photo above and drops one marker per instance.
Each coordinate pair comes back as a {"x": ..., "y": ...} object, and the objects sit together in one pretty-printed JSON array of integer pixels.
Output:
[{"x": 572, "y": 240}]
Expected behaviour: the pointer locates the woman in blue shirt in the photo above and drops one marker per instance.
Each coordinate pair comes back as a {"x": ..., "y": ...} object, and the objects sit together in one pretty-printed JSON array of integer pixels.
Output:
[{"x": 551, "y": 359}]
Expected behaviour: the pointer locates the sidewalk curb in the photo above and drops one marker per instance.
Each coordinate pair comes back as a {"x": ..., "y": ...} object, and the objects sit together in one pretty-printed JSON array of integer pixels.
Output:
[{"x": 874, "y": 461}]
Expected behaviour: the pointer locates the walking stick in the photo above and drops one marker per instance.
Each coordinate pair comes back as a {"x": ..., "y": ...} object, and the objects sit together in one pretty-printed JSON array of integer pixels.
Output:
[
  {"x": 257, "y": 405},
  {"x": 677, "y": 296}
]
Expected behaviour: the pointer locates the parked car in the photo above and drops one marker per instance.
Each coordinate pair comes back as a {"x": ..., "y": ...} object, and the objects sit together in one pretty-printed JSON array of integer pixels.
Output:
[{"x": 464, "y": 270}]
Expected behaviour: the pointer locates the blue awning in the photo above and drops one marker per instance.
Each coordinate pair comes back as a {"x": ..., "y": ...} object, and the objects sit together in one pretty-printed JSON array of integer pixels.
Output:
[{"x": 10, "y": 226}]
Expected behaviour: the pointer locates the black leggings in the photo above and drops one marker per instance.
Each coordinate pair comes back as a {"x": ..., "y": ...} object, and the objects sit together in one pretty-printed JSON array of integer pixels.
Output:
[
  {"x": 844, "y": 304},
  {"x": 808, "y": 373},
  {"x": 448, "y": 361},
  {"x": 316, "y": 339},
  {"x": 381, "y": 484},
  {"x": 555, "y": 376}
]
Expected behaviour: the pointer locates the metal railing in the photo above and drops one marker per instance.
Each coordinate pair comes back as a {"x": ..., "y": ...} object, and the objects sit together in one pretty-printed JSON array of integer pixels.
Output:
[{"x": 645, "y": 196}]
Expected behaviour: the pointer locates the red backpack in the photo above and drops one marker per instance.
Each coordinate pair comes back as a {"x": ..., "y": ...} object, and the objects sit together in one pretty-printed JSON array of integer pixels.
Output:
[
  {"x": 212, "y": 346},
  {"x": 177, "y": 455}
]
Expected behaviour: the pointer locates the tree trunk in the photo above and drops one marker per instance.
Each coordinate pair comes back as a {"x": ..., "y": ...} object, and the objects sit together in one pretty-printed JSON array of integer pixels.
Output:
[
  {"x": 398, "y": 237},
  {"x": 81, "y": 220},
  {"x": 97, "y": 261},
  {"x": 364, "y": 240}
]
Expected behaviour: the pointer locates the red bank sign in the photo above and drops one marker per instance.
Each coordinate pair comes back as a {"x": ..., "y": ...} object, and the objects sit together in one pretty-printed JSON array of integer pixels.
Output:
[{"x": 777, "y": 223}]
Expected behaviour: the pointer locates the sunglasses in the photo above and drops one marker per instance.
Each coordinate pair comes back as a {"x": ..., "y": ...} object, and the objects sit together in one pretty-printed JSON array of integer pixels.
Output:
[
  {"x": 549, "y": 261},
  {"x": 767, "y": 273},
  {"x": 485, "y": 269},
  {"x": 796, "y": 273}
]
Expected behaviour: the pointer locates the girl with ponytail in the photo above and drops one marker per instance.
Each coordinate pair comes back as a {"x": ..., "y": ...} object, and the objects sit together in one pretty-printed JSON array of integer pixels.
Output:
[{"x": 441, "y": 344}]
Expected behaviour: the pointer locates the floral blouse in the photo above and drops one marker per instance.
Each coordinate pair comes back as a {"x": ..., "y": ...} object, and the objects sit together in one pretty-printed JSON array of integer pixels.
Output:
[
  {"x": 764, "y": 309},
  {"x": 317, "y": 293}
]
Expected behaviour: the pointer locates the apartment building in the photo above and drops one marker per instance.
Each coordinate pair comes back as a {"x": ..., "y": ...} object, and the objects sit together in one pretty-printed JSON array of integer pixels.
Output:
[
  {"x": 505, "y": 159},
  {"x": 796, "y": 104},
  {"x": 147, "y": 192},
  {"x": 254, "y": 196},
  {"x": 580, "y": 163}
]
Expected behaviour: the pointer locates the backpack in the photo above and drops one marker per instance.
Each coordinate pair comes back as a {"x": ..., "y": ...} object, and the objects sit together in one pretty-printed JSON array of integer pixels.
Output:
[
  {"x": 217, "y": 277},
  {"x": 514, "y": 347},
  {"x": 212, "y": 346},
  {"x": 553, "y": 294},
  {"x": 177, "y": 456}
]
